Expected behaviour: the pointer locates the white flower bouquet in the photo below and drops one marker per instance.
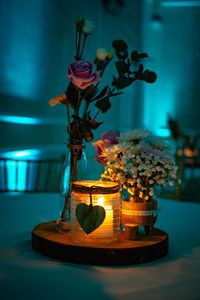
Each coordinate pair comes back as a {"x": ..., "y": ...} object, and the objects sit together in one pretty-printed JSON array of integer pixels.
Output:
[{"x": 140, "y": 163}]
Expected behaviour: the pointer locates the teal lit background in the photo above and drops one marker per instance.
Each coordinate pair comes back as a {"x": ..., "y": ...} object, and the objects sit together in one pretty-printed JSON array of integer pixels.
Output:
[{"x": 37, "y": 44}]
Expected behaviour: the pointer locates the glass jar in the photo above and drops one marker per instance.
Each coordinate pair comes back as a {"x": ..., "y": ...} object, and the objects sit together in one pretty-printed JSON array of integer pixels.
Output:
[
  {"x": 74, "y": 168},
  {"x": 101, "y": 193}
]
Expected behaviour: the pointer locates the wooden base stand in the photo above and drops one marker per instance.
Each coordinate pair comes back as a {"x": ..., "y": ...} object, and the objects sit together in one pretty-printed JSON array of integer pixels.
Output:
[{"x": 47, "y": 241}]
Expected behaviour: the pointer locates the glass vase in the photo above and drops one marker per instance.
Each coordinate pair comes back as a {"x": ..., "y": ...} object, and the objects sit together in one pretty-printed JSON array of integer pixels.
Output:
[
  {"x": 142, "y": 214},
  {"x": 74, "y": 168}
]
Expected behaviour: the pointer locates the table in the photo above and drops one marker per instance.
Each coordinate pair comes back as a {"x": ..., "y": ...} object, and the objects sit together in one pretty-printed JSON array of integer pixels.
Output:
[{"x": 25, "y": 274}]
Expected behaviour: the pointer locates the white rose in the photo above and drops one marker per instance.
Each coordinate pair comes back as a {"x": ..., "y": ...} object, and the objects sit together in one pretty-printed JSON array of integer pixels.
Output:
[
  {"x": 88, "y": 27},
  {"x": 101, "y": 54}
]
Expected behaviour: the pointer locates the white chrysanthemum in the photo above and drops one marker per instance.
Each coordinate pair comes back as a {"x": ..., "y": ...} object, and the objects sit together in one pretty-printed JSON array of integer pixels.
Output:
[
  {"x": 121, "y": 151},
  {"x": 129, "y": 149},
  {"x": 133, "y": 135},
  {"x": 160, "y": 144}
]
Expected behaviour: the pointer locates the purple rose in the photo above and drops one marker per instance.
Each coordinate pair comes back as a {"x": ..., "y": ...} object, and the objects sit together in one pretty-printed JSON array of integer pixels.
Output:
[
  {"x": 100, "y": 147},
  {"x": 81, "y": 74},
  {"x": 108, "y": 139}
]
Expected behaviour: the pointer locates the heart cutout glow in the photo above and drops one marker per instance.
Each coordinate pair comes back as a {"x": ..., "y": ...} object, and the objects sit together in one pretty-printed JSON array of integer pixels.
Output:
[{"x": 90, "y": 217}]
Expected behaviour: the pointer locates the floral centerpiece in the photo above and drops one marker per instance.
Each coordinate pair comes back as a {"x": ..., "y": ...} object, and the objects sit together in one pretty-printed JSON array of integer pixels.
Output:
[
  {"x": 83, "y": 91},
  {"x": 139, "y": 163}
]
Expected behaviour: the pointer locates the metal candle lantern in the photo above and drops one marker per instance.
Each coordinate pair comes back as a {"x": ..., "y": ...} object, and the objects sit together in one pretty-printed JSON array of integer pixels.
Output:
[{"x": 100, "y": 193}]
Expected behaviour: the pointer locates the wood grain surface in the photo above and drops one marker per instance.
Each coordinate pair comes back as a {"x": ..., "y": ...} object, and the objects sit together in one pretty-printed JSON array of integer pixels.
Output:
[{"x": 47, "y": 241}]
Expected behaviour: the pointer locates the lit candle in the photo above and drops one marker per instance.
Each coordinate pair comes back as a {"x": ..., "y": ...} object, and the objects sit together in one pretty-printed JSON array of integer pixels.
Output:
[
  {"x": 105, "y": 230},
  {"x": 105, "y": 194}
]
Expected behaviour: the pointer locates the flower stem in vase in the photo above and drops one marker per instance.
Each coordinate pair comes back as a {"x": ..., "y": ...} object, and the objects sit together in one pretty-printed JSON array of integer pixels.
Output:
[
  {"x": 85, "y": 37},
  {"x": 73, "y": 165}
]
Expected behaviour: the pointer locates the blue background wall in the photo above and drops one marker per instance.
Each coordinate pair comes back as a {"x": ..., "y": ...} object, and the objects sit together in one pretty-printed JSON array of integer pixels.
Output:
[{"x": 37, "y": 44}]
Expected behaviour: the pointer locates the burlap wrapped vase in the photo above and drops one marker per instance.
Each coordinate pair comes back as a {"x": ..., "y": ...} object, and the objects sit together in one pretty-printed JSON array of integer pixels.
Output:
[{"x": 140, "y": 213}]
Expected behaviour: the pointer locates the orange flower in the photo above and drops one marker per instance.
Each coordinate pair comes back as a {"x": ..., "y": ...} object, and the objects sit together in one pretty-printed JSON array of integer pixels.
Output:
[
  {"x": 108, "y": 139},
  {"x": 58, "y": 99},
  {"x": 100, "y": 147}
]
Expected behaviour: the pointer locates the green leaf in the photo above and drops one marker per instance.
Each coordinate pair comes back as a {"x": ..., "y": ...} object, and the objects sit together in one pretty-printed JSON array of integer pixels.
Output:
[
  {"x": 102, "y": 94},
  {"x": 142, "y": 55},
  {"x": 90, "y": 217},
  {"x": 135, "y": 56},
  {"x": 119, "y": 55},
  {"x": 94, "y": 124},
  {"x": 103, "y": 104},
  {"x": 149, "y": 76},
  {"x": 122, "y": 67},
  {"x": 86, "y": 132},
  {"x": 139, "y": 73},
  {"x": 89, "y": 92},
  {"x": 141, "y": 68},
  {"x": 125, "y": 55},
  {"x": 122, "y": 82},
  {"x": 116, "y": 94},
  {"x": 120, "y": 45},
  {"x": 72, "y": 95}
]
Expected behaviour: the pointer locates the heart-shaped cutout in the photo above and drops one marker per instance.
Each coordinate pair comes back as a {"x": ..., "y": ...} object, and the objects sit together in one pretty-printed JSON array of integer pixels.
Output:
[{"x": 90, "y": 217}]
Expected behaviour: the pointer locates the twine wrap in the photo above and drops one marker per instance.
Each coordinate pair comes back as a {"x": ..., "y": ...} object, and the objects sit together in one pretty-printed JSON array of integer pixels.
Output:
[
  {"x": 140, "y": 213},
  {"x": 76, "y": 147},
  {"x": 95, "y": 189}
]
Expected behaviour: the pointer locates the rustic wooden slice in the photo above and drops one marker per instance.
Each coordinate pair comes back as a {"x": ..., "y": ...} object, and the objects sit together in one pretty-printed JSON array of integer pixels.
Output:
[{"x": 47, "y": 241}]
